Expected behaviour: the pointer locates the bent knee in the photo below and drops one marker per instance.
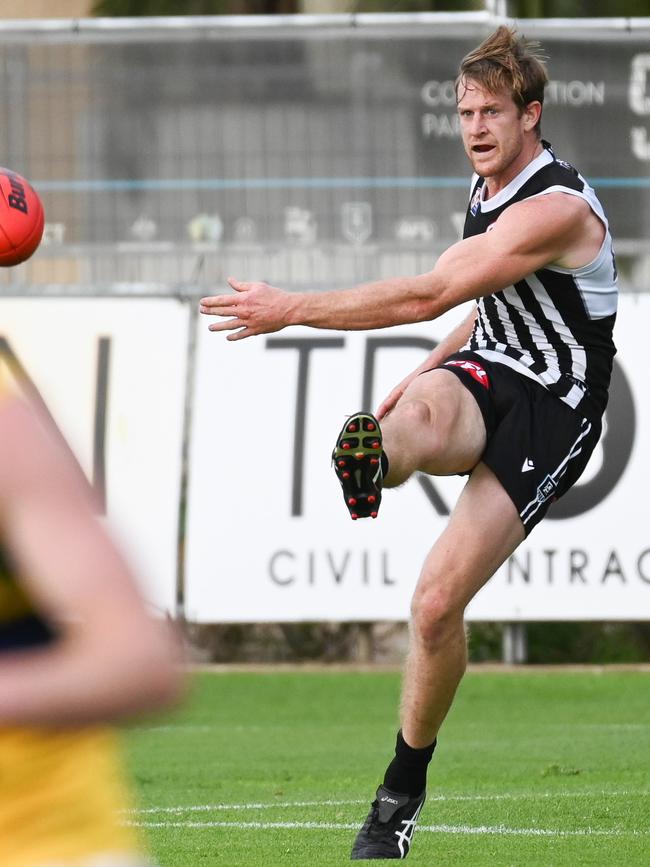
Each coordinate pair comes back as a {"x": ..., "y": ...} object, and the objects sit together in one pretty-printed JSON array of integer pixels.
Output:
[
  {"x": 425, "y": 428},
  {"x": 435, "y": 617},
  {"x": 416, "y": 412}
]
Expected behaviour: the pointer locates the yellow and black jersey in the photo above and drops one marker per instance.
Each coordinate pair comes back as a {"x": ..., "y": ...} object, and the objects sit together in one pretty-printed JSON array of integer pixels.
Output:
[
  {"x": 63, "y": 800},
  {"x": 20, "y": 625}
]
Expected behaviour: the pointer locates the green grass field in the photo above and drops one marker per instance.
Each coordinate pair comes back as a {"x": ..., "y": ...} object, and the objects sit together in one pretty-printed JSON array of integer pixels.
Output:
[{"x": 272, "y": 769}]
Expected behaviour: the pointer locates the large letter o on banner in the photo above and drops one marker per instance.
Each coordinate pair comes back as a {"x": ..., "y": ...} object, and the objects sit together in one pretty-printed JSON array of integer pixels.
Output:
[{"x": 617, "y": 444}]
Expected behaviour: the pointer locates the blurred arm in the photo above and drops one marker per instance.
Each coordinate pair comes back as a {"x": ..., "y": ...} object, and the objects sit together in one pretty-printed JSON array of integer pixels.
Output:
[{"x": 111, "y": 658}]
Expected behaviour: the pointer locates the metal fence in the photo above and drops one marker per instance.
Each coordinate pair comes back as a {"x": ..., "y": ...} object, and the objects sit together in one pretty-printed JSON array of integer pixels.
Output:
[{"x": 309, "y": 151}]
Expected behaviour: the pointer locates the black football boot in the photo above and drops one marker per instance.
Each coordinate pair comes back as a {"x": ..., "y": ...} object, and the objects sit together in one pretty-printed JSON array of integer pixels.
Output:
[{"x": 388, "y": 829}]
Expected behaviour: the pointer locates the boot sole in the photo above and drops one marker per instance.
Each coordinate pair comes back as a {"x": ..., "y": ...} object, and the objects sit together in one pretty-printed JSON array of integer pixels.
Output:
[{"x": 357, "y": 463}]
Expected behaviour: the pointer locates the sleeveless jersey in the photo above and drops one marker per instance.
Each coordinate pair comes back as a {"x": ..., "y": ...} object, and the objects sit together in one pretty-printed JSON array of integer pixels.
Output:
[
  {"x": 556, "y": 324},
  {"x": 62, "y": 793}
]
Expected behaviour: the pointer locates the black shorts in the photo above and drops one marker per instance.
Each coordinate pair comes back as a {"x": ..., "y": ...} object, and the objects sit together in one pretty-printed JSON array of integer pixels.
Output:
[{"x": 537, "y": 446}]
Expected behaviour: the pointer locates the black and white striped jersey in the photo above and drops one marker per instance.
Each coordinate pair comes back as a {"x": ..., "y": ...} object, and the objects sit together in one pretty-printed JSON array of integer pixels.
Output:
[{"x": 555, "y": 325}]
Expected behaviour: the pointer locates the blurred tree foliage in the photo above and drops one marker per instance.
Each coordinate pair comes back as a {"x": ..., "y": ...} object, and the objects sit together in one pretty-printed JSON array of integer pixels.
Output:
[
  {"x": 595, "y": 643},
  {"x": 128, "y": 8},
  {"x": 416, "y": 5},
  {"x": 578, "y": 8},
  {"x": 386, "y": 643},
  {"x": 517, "y": 8},
  {"x": 567, "y": 643}
]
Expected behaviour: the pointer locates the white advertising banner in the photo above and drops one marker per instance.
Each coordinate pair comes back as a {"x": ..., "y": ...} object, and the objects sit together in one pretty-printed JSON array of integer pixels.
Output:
[
  {"x": 111, "y": 373},
  {"x": 270, "y": 539}
]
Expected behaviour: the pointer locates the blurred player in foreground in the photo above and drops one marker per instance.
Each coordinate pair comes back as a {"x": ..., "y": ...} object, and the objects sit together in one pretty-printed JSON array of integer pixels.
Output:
[
  {"x": 513, "y": 397},
  {"x": 77, "y": 649}
]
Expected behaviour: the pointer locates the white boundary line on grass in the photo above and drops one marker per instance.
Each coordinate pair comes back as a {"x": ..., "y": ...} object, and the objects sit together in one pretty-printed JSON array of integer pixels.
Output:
[
  {"x": 502, "y": 830},
  {"x": 515, "y": 796},
  {"x": 436, "y": 829}
]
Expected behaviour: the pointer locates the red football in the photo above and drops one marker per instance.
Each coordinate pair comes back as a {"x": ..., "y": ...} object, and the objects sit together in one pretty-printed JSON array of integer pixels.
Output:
[{"x": 21, "y": 219}]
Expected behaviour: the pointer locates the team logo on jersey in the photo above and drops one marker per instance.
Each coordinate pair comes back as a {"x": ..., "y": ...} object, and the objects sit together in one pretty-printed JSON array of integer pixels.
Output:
[
  {"x": 475, "y": 370},
  {"x": 475, "y": 204}
]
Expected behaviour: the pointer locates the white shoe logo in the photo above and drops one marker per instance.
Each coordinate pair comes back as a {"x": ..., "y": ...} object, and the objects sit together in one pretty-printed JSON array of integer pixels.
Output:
[
  {"x": 528, "y": 465},
  {"x": 405, "y": 837}
]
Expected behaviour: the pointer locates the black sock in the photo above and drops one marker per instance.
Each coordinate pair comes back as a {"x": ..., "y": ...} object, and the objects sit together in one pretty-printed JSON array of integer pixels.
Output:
[
  {"x": 407, "y": 773},
  {"x": 384, "y": 464}
]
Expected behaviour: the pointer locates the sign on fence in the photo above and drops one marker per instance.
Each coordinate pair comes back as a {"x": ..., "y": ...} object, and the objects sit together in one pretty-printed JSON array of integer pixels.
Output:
[
  {"x": 269, "y": 538},
  {"x": 111, "y": 373}
]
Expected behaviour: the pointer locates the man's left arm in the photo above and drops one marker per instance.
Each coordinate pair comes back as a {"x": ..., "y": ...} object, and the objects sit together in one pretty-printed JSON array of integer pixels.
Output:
[{"x": 527, "y": 236}]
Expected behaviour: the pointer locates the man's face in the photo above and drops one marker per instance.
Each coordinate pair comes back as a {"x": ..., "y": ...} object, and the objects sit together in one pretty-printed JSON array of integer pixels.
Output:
[{"x": 493, "y": 130}]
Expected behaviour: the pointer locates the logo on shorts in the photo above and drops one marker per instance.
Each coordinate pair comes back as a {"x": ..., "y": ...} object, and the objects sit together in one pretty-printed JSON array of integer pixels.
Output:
[
  {"x": 475, "y": 370},
  {"x": 546, "y": 489},
  {"x": 527, "y": 466}
]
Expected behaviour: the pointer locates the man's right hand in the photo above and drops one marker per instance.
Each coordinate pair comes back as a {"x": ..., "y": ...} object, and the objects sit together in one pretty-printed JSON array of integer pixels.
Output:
[{"x": 254, "y": 308}]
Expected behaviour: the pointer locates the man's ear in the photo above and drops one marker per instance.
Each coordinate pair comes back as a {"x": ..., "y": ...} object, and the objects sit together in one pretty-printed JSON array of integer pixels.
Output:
[{"x": 532, "y": 113}]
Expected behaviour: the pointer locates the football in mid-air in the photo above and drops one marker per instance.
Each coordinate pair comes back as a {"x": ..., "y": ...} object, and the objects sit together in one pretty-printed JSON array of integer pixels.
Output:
[{"x": 21, "y": 219}]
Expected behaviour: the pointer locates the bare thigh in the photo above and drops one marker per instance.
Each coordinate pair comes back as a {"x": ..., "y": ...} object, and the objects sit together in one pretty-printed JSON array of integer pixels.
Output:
[{"x": 437, "y": 426}]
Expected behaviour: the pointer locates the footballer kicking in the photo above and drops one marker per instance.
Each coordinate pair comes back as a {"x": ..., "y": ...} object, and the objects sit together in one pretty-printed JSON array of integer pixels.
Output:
[{"x": 512, "y": 398}]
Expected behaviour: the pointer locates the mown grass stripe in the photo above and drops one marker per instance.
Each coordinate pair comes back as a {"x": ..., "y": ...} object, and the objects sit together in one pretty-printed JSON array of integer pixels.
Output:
[{"x": 206, "y": 808}]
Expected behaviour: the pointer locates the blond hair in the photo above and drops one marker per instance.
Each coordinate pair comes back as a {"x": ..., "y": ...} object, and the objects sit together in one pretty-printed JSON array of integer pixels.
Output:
[{"x": 507, "y": 61}]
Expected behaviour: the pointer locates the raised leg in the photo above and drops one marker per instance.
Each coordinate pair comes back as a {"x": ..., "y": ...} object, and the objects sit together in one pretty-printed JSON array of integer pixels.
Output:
[{"x": 436, "y": 428}]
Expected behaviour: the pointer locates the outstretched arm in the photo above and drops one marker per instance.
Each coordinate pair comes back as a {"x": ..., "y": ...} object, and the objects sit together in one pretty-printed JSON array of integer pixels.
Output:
[{"x": 527, "y": 236}]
